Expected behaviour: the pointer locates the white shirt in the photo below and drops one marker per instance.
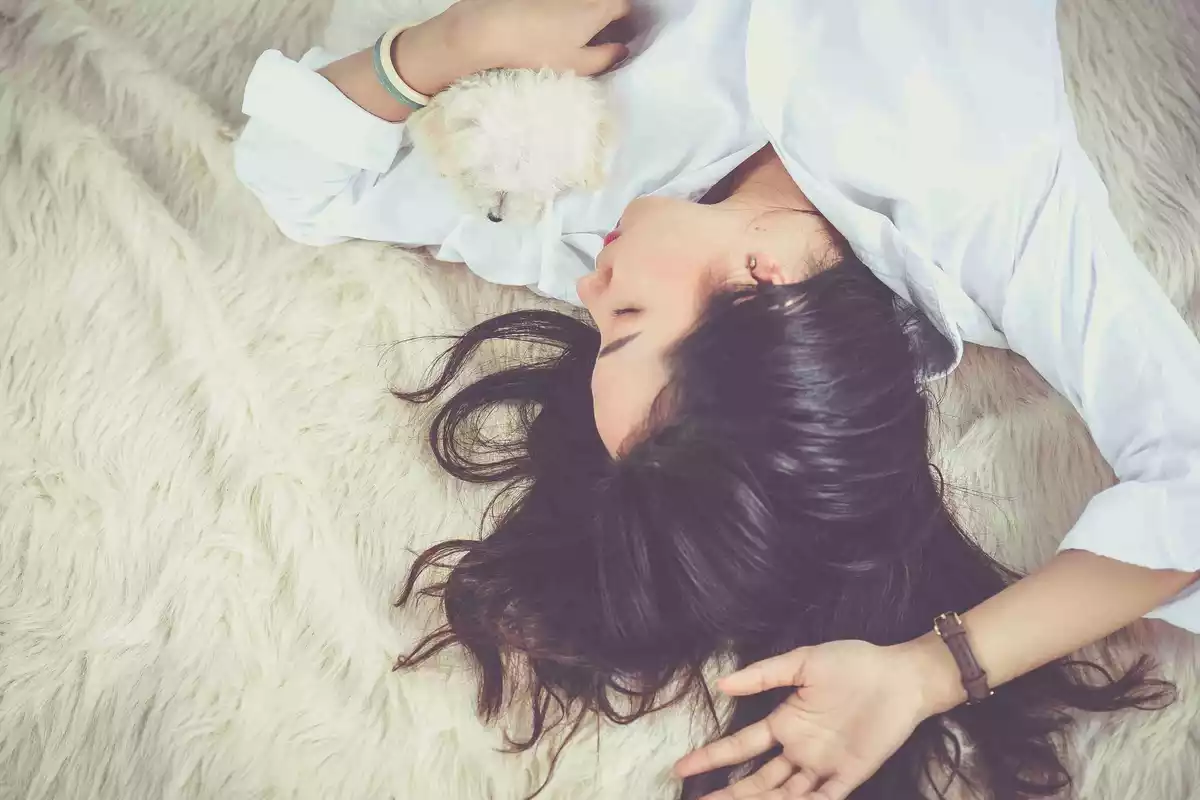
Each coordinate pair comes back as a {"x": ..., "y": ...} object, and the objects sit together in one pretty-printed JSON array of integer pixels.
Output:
[{"x": 935, "y": 135}]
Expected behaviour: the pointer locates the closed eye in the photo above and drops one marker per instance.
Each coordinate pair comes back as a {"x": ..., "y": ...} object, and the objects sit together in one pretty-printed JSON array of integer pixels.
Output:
[{"x": 621, "y": 312}]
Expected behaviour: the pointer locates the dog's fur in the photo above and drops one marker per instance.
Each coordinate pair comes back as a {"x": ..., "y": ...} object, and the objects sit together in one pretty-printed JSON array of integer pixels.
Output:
[
  {"x": 509, "y": 140},
  {"x": 512, "y": 140}
]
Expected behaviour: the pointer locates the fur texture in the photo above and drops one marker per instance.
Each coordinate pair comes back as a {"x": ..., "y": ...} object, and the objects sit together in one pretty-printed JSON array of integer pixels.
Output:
[
  {"x": 208, "y": 499},
  {"x": 512, "y": 140}
]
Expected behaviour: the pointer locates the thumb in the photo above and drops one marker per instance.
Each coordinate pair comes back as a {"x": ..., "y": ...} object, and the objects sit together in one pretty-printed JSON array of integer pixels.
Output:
[
  {"x": 600, "y": 57},
  {"x": 784, "y": 670}
]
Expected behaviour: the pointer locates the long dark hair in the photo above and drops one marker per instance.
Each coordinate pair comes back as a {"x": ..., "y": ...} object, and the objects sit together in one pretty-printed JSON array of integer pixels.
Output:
[{"x": 780, "y": 496}]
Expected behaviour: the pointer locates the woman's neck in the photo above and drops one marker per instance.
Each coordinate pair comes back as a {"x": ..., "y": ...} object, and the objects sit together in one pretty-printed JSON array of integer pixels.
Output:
[{"x": 763, "y": 180}]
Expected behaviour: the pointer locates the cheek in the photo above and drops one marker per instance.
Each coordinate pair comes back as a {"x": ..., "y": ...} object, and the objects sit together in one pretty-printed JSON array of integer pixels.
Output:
[
  {"x": 668, "y": 246},
  {"x": 623, "y": 392},
  {"x": 670, "y": 219},
  {"x": 642, "y": 211},
  {"x": 654, "y": 269}
]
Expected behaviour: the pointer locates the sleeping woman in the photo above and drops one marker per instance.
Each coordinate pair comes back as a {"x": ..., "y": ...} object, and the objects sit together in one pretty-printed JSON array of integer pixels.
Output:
[{"x": 812, "y": 206}]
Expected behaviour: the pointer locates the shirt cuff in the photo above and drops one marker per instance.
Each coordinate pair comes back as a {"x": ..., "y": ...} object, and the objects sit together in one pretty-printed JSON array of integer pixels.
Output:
[
  {"x": 297, "y": 102},
  {"x": 1148, "y": 525},
  {"x": 1183, "y": 611}
]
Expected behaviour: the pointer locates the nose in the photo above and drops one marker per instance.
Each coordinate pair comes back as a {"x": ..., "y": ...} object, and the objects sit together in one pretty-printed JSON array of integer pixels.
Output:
[{"x": 591, "y": 286}]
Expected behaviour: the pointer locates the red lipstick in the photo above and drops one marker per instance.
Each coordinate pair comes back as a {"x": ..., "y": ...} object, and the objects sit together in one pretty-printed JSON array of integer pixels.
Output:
[{"x": 612, "y": 237}]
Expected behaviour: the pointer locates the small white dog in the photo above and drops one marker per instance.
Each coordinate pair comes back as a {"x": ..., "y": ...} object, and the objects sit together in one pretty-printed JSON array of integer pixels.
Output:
[{"x": 510, "y": 140}]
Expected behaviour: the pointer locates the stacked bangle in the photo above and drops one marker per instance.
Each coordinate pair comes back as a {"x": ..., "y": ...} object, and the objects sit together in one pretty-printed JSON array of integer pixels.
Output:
[{"x": 385, "y": 70}]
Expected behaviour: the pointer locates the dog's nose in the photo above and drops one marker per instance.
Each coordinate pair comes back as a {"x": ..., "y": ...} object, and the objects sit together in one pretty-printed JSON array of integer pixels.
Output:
[{"x": 497, "y": 212}]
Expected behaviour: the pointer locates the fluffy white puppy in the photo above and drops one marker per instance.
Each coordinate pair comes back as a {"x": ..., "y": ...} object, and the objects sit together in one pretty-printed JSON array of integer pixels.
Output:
[{"x": 510, "y": 140}]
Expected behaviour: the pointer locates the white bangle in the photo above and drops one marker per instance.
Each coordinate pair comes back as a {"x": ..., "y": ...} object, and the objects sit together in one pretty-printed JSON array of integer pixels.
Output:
[{"x": 385, "y": 70}]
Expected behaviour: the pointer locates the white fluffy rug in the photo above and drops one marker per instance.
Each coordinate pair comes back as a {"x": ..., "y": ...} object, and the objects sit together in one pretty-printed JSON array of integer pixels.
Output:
[{"x": 208, "y": 499}]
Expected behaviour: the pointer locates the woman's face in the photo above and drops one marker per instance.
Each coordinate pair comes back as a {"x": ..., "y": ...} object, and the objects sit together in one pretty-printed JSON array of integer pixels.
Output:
[{"x": 656, "y": 273}]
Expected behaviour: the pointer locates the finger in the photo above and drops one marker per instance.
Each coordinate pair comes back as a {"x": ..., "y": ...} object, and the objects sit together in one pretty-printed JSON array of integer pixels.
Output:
[
  {"x": 836, "y": 788},
  {"x": 797, "y": 788},
  {"x": 600, "y": 57},
  {"x": 800, "y": 784},
  {"x": 618, "y": 9},
  {"x": 784, "y": 670},
  {"x": 742, "y": 746},
  {"x": 774, "y": 794},
  {"x": 619, "y": 30},
  {"x": 772, "y": 775}
]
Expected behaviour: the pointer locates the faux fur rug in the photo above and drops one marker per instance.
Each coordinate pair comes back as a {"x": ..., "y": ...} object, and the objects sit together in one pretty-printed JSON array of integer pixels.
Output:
[{"x": 208, "y": 499}]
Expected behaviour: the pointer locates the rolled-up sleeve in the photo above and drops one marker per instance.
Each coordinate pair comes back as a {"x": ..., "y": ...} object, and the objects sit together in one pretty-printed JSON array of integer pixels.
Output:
[
  {"x": 1081, "y": 307},
  {"x": 308, "y": 151}
]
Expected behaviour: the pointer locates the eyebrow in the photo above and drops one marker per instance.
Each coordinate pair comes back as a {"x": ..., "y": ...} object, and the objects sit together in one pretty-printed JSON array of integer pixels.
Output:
[{"x": 617, "y": 345}]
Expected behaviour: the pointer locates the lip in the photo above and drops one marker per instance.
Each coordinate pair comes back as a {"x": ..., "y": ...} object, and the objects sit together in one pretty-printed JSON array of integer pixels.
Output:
[{"x": 612, "y": 237}]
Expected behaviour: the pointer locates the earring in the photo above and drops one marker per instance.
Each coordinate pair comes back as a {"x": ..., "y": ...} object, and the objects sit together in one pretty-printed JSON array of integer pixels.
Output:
[{"x": 753, "y": 263}]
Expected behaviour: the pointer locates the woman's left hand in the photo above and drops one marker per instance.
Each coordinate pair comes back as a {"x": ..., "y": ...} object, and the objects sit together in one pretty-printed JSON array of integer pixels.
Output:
[{"x": 855, "y": 704}]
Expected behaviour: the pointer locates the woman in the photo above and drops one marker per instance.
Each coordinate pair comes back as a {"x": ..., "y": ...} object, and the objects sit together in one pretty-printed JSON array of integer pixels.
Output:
[{"x": 733, "y": 459}]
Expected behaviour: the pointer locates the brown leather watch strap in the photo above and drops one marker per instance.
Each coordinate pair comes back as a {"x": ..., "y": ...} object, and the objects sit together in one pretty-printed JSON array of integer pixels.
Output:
[{"x": 974, "y": 679}]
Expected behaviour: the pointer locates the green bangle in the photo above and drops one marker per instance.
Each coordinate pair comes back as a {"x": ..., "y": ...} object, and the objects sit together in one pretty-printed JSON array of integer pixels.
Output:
[{"x": 389, "y": 78}]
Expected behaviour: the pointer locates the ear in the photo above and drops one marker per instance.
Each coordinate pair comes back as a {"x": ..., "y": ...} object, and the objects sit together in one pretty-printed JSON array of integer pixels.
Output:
[{"x": 766, "y": 270}]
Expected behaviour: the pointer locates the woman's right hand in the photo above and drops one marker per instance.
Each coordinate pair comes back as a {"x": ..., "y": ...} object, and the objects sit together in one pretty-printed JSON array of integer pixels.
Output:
[
  {"x": 476, "y": 35},
  {"x": 853, "y": 706},
  {"x": 533, "y": 34}
]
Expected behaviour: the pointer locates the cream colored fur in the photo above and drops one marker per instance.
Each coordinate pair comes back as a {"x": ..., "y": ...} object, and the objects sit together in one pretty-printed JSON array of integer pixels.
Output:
[
  {"x": 513, "y": 140},
  {"x": 509, "y": 140},
  {"x": 208, "y": 499}
]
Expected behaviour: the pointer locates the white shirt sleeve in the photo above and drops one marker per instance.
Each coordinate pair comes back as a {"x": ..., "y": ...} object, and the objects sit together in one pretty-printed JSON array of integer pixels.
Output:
[
  {"x": 1079, "y": 305},
  {"x": 308, "y": 152},
  {"x": 328, "y": 171}
]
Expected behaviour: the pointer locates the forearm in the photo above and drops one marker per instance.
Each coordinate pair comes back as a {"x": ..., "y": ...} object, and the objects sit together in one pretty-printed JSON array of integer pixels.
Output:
[
  {"x": 429, "y": 57},
  {"x": 1077, "y": 599}
]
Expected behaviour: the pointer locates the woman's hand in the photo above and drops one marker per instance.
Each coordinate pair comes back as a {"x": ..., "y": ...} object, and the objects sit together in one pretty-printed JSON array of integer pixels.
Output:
[
  {"x": 534, "y": 34},
  {"x": 855, "y": 703},
  {"x": 476, "y": 35}
]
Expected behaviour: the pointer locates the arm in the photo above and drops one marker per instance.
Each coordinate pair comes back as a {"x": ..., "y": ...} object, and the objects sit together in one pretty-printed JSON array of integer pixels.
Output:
[
  {"x": 429, "y": 57},
  {"x": 1077, "y": 599},
  {"x": 1079, "y": 305},
  {"x": 856, "y": 703},
  {"x": 324, "y": 136}
]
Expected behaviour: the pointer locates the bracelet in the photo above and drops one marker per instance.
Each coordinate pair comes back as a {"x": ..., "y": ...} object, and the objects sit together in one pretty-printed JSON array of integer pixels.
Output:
[
  {"x": 385, "y": 71},
  {"x": 950, "y": 628}
]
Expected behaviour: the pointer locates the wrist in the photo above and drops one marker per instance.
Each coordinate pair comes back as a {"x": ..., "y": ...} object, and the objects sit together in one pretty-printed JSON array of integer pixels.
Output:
[
  {"x": 931, "y": 670},
  {"x": 435, "y": 54}
]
